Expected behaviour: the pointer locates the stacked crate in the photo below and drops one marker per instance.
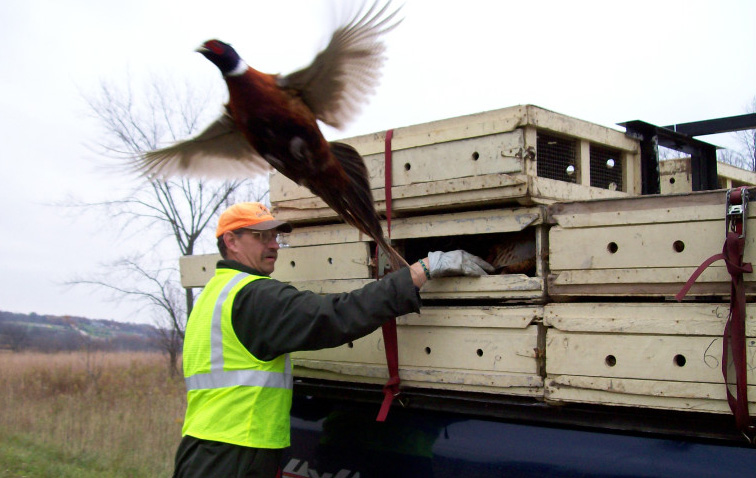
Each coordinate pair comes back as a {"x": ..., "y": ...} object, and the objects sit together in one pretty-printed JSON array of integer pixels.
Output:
[
  {"x": 484, "y": 346},
  {"x": 650, "y": 355},
  {"x": 627, "y": 342},
  {"x": 477, "y": 183},
  {"x": 589, "y": 322},
  {"x": 483, "y": 160},
  {"x": 676, "y": 176}
]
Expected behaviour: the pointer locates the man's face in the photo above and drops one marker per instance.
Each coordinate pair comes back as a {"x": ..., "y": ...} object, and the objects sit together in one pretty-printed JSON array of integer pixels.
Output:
[{"x": 255, "y": 249}]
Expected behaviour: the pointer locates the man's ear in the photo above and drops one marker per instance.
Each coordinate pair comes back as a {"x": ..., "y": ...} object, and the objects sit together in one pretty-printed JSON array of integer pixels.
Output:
[{"x": 230, "y": 239}]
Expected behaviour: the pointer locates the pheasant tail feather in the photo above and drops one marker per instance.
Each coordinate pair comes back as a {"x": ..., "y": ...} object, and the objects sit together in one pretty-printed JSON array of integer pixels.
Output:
[{"x": 356, "y": 205}]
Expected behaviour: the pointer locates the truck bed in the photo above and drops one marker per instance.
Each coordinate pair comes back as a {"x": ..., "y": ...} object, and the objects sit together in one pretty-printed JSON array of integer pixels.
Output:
[{"x": 334, "y": 434}]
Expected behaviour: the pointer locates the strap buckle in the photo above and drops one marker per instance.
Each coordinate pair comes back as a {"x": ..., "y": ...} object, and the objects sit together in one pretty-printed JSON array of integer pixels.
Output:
[{"x": 736, "y": 212}]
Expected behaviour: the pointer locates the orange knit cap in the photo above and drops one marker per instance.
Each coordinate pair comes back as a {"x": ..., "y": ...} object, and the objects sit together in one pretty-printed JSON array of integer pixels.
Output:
[{"x": 249, "y": 215}]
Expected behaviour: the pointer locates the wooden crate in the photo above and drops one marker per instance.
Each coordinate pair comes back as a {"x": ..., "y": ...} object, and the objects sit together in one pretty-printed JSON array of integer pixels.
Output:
[
  {"x": 676, "y": 176},
  {"x": 491, "y": 350},
  {"x": 337, "y": 258},
  {"x": 642, "y": 355},
  {"x": 198, "y": 269},
  {"x": 466, "y": 162},
  {"x": 646, "y": 246}
]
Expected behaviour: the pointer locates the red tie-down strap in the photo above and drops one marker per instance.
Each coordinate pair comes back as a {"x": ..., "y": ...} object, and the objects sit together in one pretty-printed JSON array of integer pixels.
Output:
[
  {"x": 391, "y": 389},
  {"x": 734, "y": 364}
]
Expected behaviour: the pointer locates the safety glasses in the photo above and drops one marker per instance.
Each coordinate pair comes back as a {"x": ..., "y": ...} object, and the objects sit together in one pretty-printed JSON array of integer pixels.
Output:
[{"x": 267, "y": 236}]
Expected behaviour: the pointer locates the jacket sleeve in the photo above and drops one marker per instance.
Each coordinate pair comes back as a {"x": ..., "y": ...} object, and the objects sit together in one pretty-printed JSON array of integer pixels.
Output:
[{"x": 272, "y": 318}]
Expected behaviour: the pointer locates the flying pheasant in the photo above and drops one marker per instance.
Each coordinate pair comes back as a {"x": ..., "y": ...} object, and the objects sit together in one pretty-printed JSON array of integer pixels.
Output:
[{"x": 271, "y": 120}]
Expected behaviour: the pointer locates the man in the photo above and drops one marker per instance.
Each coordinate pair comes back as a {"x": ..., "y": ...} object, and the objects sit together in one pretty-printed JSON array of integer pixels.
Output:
[{"x": 245, "y": 324}]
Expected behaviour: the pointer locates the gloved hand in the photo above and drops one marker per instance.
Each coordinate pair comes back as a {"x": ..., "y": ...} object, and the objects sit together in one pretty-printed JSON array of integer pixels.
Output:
[{"x": 457, "y": 263}]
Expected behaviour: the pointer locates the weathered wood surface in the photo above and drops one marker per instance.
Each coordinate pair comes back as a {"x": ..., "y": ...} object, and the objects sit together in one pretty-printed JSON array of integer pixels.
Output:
[
  {"x": 665, "y": 318},
  {"x": 655, "y": 354},
  {"x": 463, "y": 162},
  {"x": 197, "y": 270},
  {"x": 453, "y": 194},
  {"x": 681, "y": 396},
  {"x": 685, "y": 244},
  {"x": 484, "y": 349},
  {"x": 642, "y": 246},
  {"x": 330, "y": 261},
  {"x": 502, "y": 287},
  {"x": 492, "y": 122},
  {"x": 502, "y": 138},
  {"x": 645, "y": 357},
  {"x": 676, "y": 176},
  {"x": 337, "y": 258},
  {"x": 493, "y": 154},
  {"x": 642, "y": 209},
  {"x": 640, "y": 354},
  {"x": 648, "y": 282},
  {"x": 505, "y": 219},
  {"x": 503, "y": 383}
]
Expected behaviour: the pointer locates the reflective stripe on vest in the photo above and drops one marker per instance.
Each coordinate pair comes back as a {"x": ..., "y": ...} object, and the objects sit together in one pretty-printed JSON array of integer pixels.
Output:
[
  {"x": 219, "y": 378},
  {"x": 247, "y": 378}
]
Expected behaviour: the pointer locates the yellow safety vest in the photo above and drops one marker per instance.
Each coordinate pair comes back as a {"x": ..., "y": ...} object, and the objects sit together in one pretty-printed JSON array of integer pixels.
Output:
[{"x": 232, "y": 396}]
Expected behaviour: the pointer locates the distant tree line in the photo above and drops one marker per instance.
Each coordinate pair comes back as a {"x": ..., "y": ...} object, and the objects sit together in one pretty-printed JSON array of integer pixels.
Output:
[{"x": 33, "y": 332}]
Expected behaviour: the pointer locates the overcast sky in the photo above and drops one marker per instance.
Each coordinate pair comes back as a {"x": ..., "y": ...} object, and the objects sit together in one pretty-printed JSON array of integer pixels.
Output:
[{"x": 606, "y": 62}]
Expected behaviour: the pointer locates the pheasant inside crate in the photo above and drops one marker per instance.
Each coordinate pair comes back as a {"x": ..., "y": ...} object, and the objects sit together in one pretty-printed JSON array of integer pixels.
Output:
[{"x": 509, "y": 252}]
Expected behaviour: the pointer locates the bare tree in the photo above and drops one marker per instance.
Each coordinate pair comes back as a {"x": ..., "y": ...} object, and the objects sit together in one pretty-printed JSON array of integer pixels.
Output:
[
  {"x": 179, "y": 209},
  {"x": 745, "y": 154},
  {"x": 747, "y": 141},
  {"x": 157, "y": 290}
]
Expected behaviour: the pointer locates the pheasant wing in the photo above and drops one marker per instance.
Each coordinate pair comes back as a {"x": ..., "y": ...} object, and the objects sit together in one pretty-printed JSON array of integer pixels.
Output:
[
  {"x": 340, "y": 78},
  {"x": 220, "y": 151}
]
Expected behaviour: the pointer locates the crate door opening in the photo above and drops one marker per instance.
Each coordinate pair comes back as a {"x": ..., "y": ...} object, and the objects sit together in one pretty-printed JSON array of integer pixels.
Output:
[
  {"x": 336, "y": 258},
  {"x": 509, "y": 252},
  {"x": 516, "y": 257}
]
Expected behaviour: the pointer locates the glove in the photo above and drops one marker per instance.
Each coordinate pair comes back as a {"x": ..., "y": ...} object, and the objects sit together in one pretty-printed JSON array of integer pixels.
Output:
[{"x": 457, "y": 263}]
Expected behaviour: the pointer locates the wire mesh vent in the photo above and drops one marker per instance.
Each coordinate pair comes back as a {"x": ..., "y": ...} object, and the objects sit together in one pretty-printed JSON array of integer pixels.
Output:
[
  {"x": 556, "y": 158},
  {"x": 606, "y": 168}
]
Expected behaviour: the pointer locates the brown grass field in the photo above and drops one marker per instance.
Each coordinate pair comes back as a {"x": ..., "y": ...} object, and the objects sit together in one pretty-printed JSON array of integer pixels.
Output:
[{"x": 117, "y": 412}]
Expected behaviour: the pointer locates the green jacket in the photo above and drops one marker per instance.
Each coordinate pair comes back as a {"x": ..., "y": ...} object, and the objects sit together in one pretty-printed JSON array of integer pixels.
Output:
[{"x": 271, "y": 318}]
